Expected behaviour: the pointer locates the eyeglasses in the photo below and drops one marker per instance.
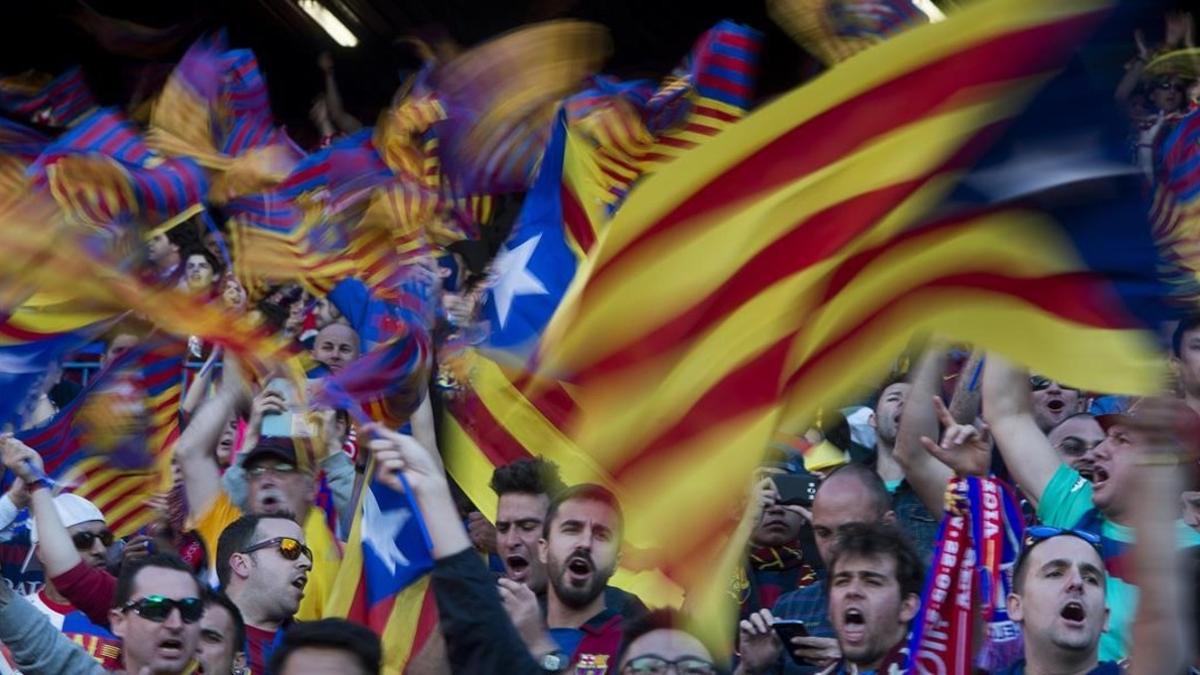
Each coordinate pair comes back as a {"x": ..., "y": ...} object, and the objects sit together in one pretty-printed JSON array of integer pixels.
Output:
[
  {"x": 84, "y": 540},
  {"x": 288, "y": 547},
  {"x": 1168, "y": 85},
  {"x": 653, "y": 664},
  {"x": 281, "y": 468},
  {"x": 156, "y": 608}
]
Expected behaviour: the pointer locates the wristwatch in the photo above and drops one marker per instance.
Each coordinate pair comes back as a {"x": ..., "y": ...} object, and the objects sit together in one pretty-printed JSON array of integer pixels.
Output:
[{"x": 553, "y": 662}]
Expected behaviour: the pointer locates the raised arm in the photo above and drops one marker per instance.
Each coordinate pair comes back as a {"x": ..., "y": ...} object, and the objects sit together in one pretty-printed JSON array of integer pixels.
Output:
[
  {"x": 1161, "y": 625},
  {"x": 1008, "y": 410},
  {"x": 195, "y": 449},
  {"x": 58, "y": 552},
  {"x": 36, "y": 645},
  {"x": 926, "y": 475},
  {"x": 479, "y": 635},
  {"x": 964, "y": 406}
]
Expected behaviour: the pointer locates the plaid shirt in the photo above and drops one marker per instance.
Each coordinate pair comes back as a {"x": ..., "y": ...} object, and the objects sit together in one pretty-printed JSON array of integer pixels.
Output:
[{"x": 807, "y": 604}]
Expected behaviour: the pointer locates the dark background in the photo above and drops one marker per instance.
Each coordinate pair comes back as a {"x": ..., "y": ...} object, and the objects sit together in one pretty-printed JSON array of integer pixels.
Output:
[{"x": 649, "y": 37}]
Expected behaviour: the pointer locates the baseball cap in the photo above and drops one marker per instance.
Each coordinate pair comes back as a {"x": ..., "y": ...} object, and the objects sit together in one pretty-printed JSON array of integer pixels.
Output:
[{"x": 282, "y": 448}]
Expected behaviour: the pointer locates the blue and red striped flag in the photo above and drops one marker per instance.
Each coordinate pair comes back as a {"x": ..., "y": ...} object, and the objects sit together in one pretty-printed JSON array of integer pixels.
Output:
[
  {"x": 53, "y": 103},
  {"x": 103, "y": 173},
  {"x": 112, "y": 443}
]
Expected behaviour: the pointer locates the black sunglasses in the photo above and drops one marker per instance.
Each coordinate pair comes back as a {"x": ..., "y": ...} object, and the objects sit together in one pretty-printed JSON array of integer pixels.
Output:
[
  {"x": 653, "y": 664},
  {"x": 156, "y": 608},
  {"x": 288, "y": 547},
  {"x": 84, "y": 540}
]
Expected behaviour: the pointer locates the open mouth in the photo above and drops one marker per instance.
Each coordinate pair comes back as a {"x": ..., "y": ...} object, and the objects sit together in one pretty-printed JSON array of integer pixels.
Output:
[
  {"x": 171, "y": 648},
  {"x": 300, "y": 582},
  {"x": 1056, "y": 405},
  {"x": 517, "y": 565},
  {"x": 1099, "y": 475},
  {"x": 854, "y": 626},
  {"x": 270, "y": 503},
  {"x": 579, "y": 568},
  {"x": 1073, "y": 612}
]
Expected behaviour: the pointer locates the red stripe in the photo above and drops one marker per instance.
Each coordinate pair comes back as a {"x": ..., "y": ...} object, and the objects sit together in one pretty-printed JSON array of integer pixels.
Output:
[
  {"x": 426, "y": 622},
  {"x": 579, "y": 227},
  {"x": 805, "y": 244},
  {"x": 701, "y": 110},
  {"x": 739, "y": 41},
  {"x": 708, "y": 81},
  {"x": 750, "y": 387},
  {"x": 491, "y": 437},
  {"x": 839, "y": 131}
]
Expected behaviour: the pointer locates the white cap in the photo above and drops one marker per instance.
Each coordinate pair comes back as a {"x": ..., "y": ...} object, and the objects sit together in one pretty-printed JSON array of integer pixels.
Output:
[{"x": 72, "y": 510}]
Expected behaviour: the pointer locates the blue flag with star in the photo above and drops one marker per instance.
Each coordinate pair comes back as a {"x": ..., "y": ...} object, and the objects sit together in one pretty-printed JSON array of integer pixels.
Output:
[
  {"x": 535, "y": 265},
  {"x": 395, "y": 548}
]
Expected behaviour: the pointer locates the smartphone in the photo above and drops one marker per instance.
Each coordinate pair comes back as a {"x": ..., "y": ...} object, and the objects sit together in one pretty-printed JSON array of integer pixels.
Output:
[
  {"x": 787, "y": 629},
  {"x": 280, "y": 424},
  {"x": 797, "y": 490}
]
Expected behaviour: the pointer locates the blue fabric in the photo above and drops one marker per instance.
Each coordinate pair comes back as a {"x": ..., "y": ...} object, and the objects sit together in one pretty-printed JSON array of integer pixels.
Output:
[{"x": 568, "y": 639}]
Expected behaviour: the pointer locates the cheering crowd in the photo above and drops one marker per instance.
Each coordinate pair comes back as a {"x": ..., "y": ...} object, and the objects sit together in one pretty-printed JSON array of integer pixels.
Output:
[{"x": 967, "y": 511}]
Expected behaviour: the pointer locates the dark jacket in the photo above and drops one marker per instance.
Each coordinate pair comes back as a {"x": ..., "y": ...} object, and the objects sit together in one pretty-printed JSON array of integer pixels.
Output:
[{"x": 479, "y": 636}]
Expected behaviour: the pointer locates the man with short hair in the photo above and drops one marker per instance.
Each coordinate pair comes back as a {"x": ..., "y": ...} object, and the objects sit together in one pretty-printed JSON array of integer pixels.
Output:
[
  {"x": 281, "y": 478},
  {"x": 163, "y": 252},
  {"x": 852, "y": 494},
  {"x": 1064, "y": 498},
  {"x": 156, "y": 614},
  {"x": 222, "y": 636},
  {"x": 480, "y": 637},
  {"x": 335, "y": 346},
  {"x": 328, "y": 646},
  {"x": 523, "y": 491},
  {"x": 263, "y": 565},
  {"x": 657, "y": 640},
  {"x": 875, "y": 579}
]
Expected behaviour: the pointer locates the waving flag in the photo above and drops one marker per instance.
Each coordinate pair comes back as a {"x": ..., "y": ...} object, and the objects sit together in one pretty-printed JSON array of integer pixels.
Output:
[
  {"x": 383, "y": 582},
  {"x": 835, "y": 30},
  {"x": 55, "y": 103},
  {"x": 215, "y": 110},
  {"x": 745, "y": 250},
  {"x": 103, "y": 173},
  {"x": 23, "y": 370},
  {"x": 112, "y": 443},
  {"x": 601, "y": 143}
]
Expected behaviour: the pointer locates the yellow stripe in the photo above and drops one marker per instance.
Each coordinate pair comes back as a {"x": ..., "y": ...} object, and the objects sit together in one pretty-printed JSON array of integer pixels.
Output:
[
  {"x": 722, "y": 242},
  {"x": 890, "y": 60}
]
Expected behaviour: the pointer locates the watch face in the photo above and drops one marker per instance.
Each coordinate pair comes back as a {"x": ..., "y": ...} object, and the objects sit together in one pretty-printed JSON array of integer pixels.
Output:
[{"x": 552, "y": 662}]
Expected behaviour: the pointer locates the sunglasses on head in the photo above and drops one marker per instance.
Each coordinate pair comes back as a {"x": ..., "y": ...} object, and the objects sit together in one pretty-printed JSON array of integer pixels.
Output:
[
  {"x": 653, "y": 664},
  {"x": 156, "y": 608},
  {"x": 1036, "y": 534},
  {"x": 288, "y": 547},
  {"x": 84, "y": 540}
]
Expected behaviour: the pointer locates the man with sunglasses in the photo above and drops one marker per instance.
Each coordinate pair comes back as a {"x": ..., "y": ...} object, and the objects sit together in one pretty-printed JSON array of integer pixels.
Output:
[
  {"x": 281, "y": 478},
  {"x": 1053, "y": 403},
  {"x": 156, "y": 614},
  {"x": 67, "y": 527},
  {"x": 263, "y": 566}
]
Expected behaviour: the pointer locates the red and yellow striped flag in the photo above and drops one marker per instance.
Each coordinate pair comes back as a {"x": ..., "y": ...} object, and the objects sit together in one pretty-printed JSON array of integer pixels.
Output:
[{"x": 733, "y": 249}]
